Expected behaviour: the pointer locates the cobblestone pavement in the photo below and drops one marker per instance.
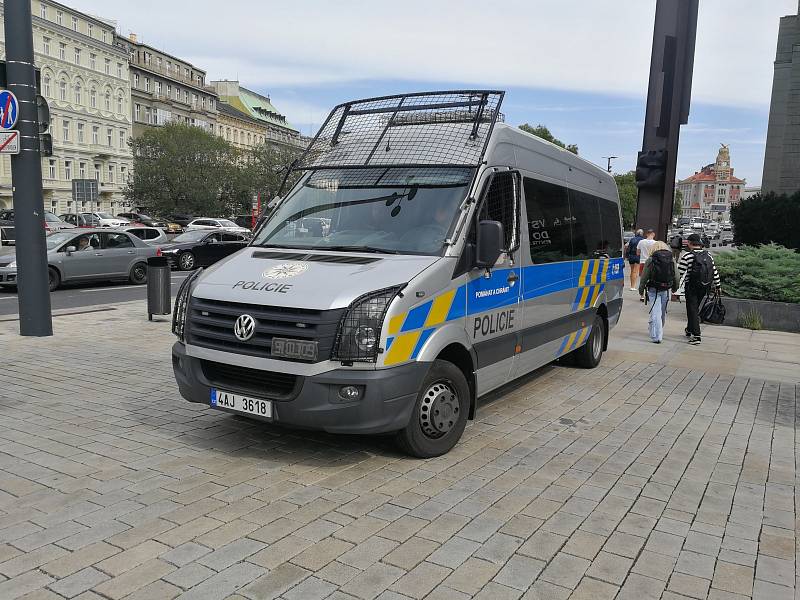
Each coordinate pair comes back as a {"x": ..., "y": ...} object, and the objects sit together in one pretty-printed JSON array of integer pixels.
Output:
[{"x": 653, "y": 476}]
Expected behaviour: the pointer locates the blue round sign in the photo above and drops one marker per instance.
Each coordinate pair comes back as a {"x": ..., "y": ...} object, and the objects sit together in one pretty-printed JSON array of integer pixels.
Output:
[{"x": 9, "y": 110}]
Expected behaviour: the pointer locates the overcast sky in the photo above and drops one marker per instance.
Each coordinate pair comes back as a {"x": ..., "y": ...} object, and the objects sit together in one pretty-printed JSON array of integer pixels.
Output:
[{"x": 578, "y": 66}]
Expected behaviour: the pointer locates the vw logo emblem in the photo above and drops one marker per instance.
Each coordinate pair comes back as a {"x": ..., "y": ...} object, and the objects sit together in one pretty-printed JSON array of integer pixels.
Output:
[{"x": 244, "y": 328}]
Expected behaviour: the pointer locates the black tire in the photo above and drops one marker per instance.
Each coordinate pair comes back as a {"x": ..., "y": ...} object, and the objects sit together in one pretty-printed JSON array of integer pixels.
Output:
[
  {"x": 588, "y": 356},
  {"x": 444, "y": 389},
  {"x": 53, "y": 279},
  {"x": 138, "y": 274},
  {"x": 186, "y": 261}
]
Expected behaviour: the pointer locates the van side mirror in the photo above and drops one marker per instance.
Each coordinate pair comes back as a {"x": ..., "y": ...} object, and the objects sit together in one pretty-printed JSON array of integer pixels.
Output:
[
  {"x": 490, "y": 244},
  {"x": 70, "y": 249}
]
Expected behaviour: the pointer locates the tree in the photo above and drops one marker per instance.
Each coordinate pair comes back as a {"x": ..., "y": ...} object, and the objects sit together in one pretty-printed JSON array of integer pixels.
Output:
[
  {"x": 765, "y": 218},
  {"x": 677, "y": 205},
  {"x": 544, "y": 133},
  {"x": 182, "y": 169},
  {"x": 628, "y": 196}
]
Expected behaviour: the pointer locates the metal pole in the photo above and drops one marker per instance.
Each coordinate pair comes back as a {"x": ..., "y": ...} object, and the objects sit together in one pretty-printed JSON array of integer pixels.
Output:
[{"x": 26, "y": 173}]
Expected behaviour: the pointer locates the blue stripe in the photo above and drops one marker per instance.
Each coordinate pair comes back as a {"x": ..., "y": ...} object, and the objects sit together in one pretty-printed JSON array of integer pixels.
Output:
[
  {"x": 389, "y": 342},
  {"x": 458, "y": 308},
  {"x": 416, "y": 316},
  {"x": 423, "y": 337},
  {"x": 563, "y": 345}
]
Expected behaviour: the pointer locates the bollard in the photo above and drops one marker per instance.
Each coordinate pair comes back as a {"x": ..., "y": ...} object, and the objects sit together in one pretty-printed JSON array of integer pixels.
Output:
[{"x": 159, "y": 301}]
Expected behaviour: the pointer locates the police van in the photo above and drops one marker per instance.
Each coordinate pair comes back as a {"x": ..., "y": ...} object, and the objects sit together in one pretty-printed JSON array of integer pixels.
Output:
[{"x": 428, "y": 254}]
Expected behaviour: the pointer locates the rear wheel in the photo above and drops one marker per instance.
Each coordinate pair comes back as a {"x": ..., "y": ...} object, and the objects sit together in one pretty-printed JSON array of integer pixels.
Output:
[
  {"x": 138, "y": 274},
  {"x": 440, "y": 413},
  {"x": 588, "y": 356},
  {"x": 186, "y": 261},
  {"x": 53, "y": 279}
]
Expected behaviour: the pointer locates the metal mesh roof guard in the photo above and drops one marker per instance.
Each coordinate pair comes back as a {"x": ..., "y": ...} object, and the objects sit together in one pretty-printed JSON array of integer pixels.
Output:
[{"x": 428, "y": 129}]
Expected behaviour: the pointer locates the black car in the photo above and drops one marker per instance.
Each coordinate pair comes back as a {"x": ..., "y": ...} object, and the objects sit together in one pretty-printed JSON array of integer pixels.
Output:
[
  {"x": 143, "y": 219},
  {"x": 201, "y": 248},
  {"x": 181, "y": 219}
]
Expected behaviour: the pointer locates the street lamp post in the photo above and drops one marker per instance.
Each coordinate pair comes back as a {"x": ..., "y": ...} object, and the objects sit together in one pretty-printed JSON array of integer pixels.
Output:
[{"x": 609, "y": 159}]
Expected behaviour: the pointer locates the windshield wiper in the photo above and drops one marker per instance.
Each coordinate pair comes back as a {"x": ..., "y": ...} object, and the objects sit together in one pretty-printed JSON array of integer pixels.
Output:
[{"x": 374, "y": 249}]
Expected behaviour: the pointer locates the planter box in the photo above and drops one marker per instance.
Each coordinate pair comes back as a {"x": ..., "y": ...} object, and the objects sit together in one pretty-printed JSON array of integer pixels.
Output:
[{"x": 777, "y": 316}]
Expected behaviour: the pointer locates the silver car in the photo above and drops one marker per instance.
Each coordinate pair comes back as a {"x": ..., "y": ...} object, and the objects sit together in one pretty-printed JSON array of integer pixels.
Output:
[
  {"x": 89, "y": 254},
  {"x": 151, "y": 235}
]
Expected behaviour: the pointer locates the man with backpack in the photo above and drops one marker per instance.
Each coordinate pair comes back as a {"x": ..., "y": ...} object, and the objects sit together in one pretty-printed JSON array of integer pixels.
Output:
[
  {"x": 633, "y": 258},
  {"x": 700, "y": 276},
  {"x": 659, "y": 277}
]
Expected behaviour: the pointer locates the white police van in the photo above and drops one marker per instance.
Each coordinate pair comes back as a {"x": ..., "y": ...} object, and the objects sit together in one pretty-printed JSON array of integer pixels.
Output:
[{"x": 428, "y": 254}]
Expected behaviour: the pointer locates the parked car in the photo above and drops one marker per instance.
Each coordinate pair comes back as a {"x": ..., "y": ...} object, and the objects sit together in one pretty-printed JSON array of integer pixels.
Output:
[
  {"x": 51, "y": 222},
  {"x": 201, "y": 248},
  {"x": 151, "y": 235},
  {"x": 218, "y": 224},
  {"x": 89, "y": 254},
  {"x": 181, "y": 219},
  {"x": 79, "y": 220},
  {"x": 94, "y": 219},
  {"x": 141, "y": 219},
  {"x": 105, "y": 219},
  {"x": 172, "y": 227}
]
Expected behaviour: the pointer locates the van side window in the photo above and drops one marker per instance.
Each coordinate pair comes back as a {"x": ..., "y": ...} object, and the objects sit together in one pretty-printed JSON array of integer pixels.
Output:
[
  {"x": 587, "y": 235},
  {"x": 610, "y": 225},
  {"x": 500, "y": 204},
  {"x": 547, "y": 206}
]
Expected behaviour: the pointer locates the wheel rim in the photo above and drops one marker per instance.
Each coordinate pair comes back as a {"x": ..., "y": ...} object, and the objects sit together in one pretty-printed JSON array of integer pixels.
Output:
[
  {"x": 187, "y": 261},
  {"x": 439, "y": 409},
  {"x": 597, "y": 342},
  {"x": 51, "y": 279},
  {"x": 139, "y": 273}
]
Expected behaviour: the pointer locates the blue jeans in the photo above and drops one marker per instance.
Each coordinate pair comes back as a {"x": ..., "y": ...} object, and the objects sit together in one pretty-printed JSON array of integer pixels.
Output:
[{"x": 658, "y": 312}]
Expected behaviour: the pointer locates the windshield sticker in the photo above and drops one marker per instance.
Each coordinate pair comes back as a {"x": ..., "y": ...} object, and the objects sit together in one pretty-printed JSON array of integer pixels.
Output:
[{"x": 285, "y": 271}]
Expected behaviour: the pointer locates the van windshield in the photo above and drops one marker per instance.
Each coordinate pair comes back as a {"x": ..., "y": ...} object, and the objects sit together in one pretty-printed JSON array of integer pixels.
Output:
[{"x": 394, "y": 211}]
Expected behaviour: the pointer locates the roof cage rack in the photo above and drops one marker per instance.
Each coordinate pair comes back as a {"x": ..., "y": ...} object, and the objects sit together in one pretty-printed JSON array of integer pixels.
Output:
[{"x": 427, "y": 129}]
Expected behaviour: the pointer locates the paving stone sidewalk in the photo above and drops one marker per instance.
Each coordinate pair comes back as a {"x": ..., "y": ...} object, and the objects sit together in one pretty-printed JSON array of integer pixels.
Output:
[{"x": 669, "y": 472}]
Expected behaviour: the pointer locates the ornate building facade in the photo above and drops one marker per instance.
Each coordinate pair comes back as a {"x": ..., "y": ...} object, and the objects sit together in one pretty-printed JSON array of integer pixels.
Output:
[
  {"x": 84, "y": 78},
  {"x": 711, "y": 191}
]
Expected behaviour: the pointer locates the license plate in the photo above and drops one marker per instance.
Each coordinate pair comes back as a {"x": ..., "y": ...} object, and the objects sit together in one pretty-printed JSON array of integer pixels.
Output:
[
  {"x": 302, "y": 349},
  {"x": 242, "y": 404}
]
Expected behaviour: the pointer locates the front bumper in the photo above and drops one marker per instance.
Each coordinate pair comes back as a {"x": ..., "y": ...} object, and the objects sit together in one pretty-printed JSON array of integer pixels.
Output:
[
  {"x": 8, "y": 276},
  {"x": 387, "y": 399}
]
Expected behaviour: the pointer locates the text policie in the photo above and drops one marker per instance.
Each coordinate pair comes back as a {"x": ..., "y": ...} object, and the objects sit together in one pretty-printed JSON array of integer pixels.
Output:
[{"x": 493, "y": 323}]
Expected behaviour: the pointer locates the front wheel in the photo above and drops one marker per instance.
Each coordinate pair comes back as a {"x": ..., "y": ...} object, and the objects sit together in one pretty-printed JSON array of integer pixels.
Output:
[
  {"x": 440, "y": 413},
  {"x": 53, "y": 279},
  {"x": 186, "y": 261},
  {"x": 588, "y": 356},
  {"x": 138, "y": 274}
]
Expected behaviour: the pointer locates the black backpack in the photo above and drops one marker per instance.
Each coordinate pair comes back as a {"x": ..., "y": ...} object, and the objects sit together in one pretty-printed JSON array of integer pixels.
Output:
[
  {"x": 676, "y": 242},
  {"x": 662, "y": 274},
  {"x": 701, "y": 273}
]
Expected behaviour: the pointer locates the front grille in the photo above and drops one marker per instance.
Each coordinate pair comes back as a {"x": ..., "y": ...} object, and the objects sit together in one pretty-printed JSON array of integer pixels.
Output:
[
  {"x": 210, "y": 325},
  {"x": 261, "y": 384}
]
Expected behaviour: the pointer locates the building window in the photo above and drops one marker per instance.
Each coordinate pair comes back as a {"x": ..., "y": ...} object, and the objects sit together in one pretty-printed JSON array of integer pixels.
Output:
[
  {"x": 93, "y": 61},
  {"x": 158, "y": 88},
  {"x": 122, "y": 138},
  {"x": 43, "y": 10},
  {"x": 203, "y": 102},
  {"x": 74, "y": 28},
  {"x": 146, "y": 84},
  {"x": 136, "y": 80},
  {"x": 105, "y": 36},
  {"x": 62, "y": 90},
  {"x": 108, "y": 100},
  {"x": 108, "y": 66},
  {"x": 46, "y": 86},
  {"x": 67, "y": 170},
  {"x": 111, "y": 173},
  {"x": 77, "y": 56},
  {"x": 93, "y": 98},
  {"x": 46, "y": 46},
  {"x": 97, "y": 171},
  {"x": 147, "y": 114},
  {"x": 60, "y": 17},
  {"x": 194, "y": 100},
  {"x": 186, "y": 74},
  {"x": 52, "y": 169},
  {"x": 80, "y": 132},
  {"x": 120, "y": 105},
  {"x": 62, "y": 51},
  {"x": 78, "y": 94},
  {"x": 90, "y": 30},
  {"x": 65, "y": 130},
  {"x": 177, "y": 94},
  {"x": 119, "y": 70},
  {"x": 122, "y": 174},
  {"x": 110, "y": 137},
  {"x": 186, "y": 97},
  {"x": 169, "y": 91},
  {"x": 95, "y": 135},
  {"x": 137, "y": 112},
  {"x": 158, "y": 62}
]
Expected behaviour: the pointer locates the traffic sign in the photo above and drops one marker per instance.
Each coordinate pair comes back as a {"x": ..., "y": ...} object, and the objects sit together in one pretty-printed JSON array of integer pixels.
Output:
[
  {"x": 9, "y": 110},
  {"x": 9, "y": 142}
]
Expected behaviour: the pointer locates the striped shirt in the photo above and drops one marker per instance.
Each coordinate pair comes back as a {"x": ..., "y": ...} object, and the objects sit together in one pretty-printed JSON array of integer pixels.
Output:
[{"x": 687, "y": 260}]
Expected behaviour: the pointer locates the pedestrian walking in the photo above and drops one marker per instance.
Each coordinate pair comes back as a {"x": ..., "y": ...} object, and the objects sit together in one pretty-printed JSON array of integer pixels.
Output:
[
  {"x": 659, "y": 278},
  {"x": 643, "y": 249},
  {"x": 699, "y": 275},
  {"x": 633, "y": 258}
]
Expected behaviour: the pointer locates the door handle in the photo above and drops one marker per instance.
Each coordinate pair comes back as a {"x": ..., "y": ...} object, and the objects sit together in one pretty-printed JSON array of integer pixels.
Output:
[
  {"x": 131, "y": 251},
  {"x": 98, "y": 254},
  {"x": 513, "y": 277}
]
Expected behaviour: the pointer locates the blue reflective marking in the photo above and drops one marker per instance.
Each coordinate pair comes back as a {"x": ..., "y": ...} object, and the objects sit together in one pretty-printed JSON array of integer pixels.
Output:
[
  {"x": 563, "y": 345},
  {"x": 421, "y": 341},
  {"x": 416, "y": 316},
  {"x": 458, "y": 308},
  {"x": 389, "y": 342},
  {"x": 213, "y": 397}
]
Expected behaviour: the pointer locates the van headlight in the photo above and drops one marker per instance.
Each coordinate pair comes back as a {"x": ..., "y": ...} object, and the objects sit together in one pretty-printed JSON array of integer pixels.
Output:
[
  {"x": 182, "y": 305},
  {"x": 359, "y": 331}
]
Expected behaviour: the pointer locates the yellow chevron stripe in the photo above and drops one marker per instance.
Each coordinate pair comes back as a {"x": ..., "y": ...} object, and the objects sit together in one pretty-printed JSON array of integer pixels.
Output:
[
  {"x": 595, "y": 265},
  {"x": 584, "y": 270},
  {"x": 582, "y": 337},
  {"x": 595, "y": 294},
  {"x": 396, "y": 322},
  {"x": 583, "y": 297},
  {"x": 440, "y": 308},
  {"x": 570, "y": 341},
  {"x": 604, "y": 273},
  {"x": 402, "y": 347}
]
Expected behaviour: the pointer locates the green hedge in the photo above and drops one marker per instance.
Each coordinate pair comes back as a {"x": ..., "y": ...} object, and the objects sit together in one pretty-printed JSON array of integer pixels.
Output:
[
  {"x": 768, "y": 272},
  {"x": 766, "y": 218}
]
